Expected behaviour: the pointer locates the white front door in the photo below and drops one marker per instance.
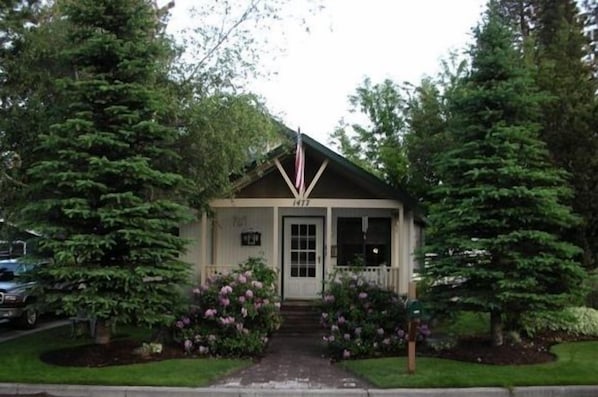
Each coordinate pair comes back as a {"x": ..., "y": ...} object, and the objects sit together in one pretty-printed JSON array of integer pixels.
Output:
[{"x": 303, "y": 257}]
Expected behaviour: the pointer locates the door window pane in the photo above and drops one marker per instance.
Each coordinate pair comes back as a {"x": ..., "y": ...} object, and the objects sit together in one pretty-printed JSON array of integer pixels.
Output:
[{"x": 303, "y": 250}]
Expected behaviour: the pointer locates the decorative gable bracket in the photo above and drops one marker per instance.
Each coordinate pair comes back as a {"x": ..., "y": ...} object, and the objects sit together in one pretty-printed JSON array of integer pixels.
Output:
[{"x": 298, "y": 195}]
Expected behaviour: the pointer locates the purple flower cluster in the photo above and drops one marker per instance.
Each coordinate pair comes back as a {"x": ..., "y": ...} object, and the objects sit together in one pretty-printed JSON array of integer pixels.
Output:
[
  {"x": 363, "y": 320},
  {"x": 233, "y": 306}
]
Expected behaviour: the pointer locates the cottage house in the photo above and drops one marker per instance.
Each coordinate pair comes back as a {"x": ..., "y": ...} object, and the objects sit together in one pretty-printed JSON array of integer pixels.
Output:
[{"x": 309, "y": 212}]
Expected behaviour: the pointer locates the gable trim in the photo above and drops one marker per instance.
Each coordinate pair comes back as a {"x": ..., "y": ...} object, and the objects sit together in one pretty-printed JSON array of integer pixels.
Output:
[
  {"x": 314, "y": 182},
  {"x": 286, "y": 178},
  {"x": 306, "y": 203}
]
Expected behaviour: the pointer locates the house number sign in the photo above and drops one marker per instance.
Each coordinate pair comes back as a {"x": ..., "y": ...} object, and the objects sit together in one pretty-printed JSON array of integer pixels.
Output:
[{"x": 301, "y": 203}]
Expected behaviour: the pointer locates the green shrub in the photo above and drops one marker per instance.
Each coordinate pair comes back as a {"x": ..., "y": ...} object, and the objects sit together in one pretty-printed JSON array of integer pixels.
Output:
[
  {"x": 586, "y": 321},
  {"x": 362, "y": 319},
  {"x": 232, "y": 314},
  {"x": 574, "y": 321}
]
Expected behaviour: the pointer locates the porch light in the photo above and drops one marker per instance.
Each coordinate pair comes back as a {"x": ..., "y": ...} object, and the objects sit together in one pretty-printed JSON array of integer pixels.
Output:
[{"x": 251, "y": 238}]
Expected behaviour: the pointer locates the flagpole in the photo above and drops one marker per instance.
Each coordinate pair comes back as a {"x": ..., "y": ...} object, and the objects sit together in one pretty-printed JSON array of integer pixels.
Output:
[{"x": 300, "y": 165}]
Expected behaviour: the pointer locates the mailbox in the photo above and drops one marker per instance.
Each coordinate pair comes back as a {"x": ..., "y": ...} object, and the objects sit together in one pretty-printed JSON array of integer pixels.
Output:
[{"x": 414, "y": 309}]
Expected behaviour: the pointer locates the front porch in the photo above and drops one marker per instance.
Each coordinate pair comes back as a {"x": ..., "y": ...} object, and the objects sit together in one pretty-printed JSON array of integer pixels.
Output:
[{"x": 312, "y": 256}]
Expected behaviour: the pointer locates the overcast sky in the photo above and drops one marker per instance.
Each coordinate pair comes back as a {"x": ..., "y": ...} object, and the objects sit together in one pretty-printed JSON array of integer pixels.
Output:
[{"x": 350, "y": 39}]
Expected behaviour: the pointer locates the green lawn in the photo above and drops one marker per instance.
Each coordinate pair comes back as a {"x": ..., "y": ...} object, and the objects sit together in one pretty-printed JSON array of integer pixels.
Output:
[
  {"x": 21, "y": 364},
  {"x": 577, "y": 364},
  {"x": 465, "y": 324}
]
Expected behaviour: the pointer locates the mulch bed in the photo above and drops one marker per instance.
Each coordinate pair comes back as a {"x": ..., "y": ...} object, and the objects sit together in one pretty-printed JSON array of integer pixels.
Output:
[
  {"x": 117, "y": 352},
  {"x": 480, "y": 350},
  {"x": 473, "y": 349},
  {"x": 527, "y": 351}
]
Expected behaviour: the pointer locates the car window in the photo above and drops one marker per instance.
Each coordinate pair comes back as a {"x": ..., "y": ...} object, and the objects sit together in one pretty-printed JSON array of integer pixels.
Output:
[
  {"x": 10, "y": 270},
  {"x": 7, "y": 272}
]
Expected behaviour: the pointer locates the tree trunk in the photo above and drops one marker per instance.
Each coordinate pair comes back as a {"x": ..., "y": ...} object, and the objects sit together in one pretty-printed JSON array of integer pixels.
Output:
[
  {"x": 103, "y": 332},
  {"x": 496, "y": 328}
]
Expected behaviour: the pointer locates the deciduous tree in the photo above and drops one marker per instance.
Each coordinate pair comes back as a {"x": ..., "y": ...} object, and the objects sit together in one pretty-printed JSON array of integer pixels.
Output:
[{"x": 377, "y": 146}]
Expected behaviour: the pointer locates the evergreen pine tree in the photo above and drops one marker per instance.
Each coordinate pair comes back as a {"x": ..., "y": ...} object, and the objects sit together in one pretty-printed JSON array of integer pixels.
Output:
[
  {"x": 101, "y": 191},
  {"x": 494, "y": 245},
  {"x": 569, "y": 116}
]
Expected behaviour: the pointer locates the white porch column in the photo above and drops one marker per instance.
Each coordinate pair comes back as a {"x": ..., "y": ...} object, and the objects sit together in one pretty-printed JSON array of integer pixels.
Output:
[
  {"x": 403, "y": 254},
  {"x": 394, "y": 242},
  {"x": 408, "y": 249},
  {"x": 203, "y": 255},
  {"x": 328, "y": 242},
  {"x": 275, "y": 264},
  {"x": 215, "y": 239}
]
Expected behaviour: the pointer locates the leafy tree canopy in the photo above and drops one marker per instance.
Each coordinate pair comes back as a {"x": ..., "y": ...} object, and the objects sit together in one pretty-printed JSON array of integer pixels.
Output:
[{"x": 377, "y": 146}]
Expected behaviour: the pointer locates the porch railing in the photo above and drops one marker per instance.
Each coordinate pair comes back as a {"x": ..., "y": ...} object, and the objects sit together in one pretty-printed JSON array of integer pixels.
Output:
[
  {"x": 212, "y": 270},
  {"x": 386, "y": 277}
]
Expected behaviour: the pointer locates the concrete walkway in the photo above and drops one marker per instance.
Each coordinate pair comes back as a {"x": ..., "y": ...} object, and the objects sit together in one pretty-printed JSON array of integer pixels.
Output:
[{"x": 293, "y": 362}]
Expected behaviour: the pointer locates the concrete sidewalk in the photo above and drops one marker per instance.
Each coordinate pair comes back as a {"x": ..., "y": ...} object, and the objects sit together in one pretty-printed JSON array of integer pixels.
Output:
[{"x": 116, "y": 391}]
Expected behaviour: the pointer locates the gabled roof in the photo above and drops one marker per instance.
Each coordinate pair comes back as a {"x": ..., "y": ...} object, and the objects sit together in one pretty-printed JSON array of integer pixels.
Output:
[{"x": 341, "y": 164}]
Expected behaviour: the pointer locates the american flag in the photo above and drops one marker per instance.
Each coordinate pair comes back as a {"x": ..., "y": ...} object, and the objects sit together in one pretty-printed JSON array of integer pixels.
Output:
[{"x": 300, "y": 166}]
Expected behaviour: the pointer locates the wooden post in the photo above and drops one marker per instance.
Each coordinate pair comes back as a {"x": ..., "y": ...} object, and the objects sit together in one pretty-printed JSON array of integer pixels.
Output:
[{"x": 412, "y": 332}]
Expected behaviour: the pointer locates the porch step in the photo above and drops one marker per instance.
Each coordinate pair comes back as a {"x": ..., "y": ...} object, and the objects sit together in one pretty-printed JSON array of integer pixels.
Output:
[{"x": 300, "y": 318}]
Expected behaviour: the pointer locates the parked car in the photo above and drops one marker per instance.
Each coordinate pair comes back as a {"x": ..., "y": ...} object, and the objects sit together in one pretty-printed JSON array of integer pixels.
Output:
[{"x": 16, "y": 302}]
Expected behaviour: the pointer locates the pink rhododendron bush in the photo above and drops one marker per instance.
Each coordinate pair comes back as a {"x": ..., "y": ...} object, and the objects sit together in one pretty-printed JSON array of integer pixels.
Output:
[
  {"x": 231, "y": 314},
  {"x": 363, "y": 319}
]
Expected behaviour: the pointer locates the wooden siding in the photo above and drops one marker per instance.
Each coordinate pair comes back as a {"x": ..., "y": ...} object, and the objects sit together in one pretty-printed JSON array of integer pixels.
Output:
[
  {"x": 231, "y": 222},
  {"x": 334, "y": 182}
]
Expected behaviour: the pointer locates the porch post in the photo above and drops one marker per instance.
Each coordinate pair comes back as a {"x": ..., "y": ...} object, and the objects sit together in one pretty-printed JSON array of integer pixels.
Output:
[
  {"x": 410, "y": 245},
  {"x": 403, "y": 267},
  {"x": 275, "y": 264},
  {"x": 215, "y": 239},
  {"x": 203, "y": 256},
  {"x": 328, "y": 242},
  {"x": 396, "y": 247},
  {"x": 407, "y": 250}
]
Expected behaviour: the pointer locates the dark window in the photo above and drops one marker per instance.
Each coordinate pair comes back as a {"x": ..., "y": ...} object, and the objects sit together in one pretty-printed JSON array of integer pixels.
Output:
[{"x": 371, "y": 248}]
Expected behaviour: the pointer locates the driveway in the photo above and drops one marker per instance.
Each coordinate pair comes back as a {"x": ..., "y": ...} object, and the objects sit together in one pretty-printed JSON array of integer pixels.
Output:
[{"x": 9, "y": 331}]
